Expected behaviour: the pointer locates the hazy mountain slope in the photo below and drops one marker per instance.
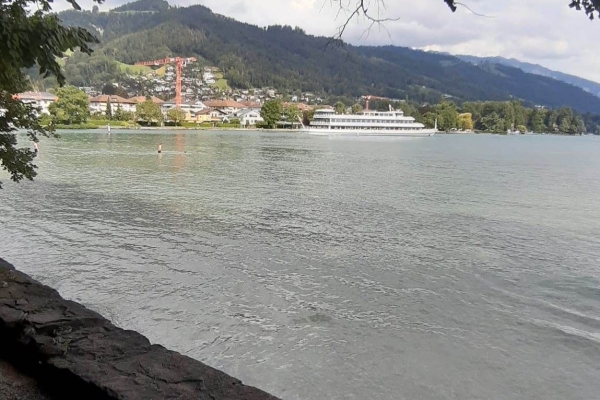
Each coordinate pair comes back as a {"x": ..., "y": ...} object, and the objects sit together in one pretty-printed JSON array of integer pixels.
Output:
[
  {"x": 507, "y": 81},
  {"x": 585, "y": 84},
  {"x": 289, "y": 59}
]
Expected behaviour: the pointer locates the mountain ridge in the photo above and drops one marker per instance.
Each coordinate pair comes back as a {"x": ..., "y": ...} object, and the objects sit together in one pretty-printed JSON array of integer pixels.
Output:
[
  {"x": 588, "y": 85},
  {"x": 289, "y": 59}
]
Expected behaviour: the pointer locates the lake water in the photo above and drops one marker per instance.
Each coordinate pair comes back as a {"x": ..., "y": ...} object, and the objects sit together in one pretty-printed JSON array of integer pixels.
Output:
[{"x": 452, "y": 267}]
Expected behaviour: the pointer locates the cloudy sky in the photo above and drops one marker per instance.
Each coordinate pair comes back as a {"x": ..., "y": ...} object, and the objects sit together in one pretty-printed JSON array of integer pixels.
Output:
[{"x": 546, "y": 32}]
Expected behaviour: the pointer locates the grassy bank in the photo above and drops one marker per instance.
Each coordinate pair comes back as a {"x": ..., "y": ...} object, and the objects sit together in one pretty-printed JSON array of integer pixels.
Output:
[
  {"x": 96, "y": 124},
  {"x": 76, "y": 126}
]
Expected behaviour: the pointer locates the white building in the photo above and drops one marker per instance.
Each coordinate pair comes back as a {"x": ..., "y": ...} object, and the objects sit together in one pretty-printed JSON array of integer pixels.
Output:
[
  {"x": 230, "y": 107},
  {"x": 40, "y": 100},
  {"x": 99, "y": 104},
  {"x": 249, "y": 117}
]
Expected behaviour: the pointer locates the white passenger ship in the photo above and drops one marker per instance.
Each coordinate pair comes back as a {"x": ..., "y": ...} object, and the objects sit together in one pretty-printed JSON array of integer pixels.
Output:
[{"x": 369, "y": 123}]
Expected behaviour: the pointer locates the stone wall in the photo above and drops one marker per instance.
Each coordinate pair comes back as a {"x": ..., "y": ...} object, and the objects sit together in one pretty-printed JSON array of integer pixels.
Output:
[{"x": 75, "y": 353}]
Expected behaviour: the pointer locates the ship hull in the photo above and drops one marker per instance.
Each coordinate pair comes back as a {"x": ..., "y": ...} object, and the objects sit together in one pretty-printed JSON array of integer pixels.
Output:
[{"x": 369, "y": 132}]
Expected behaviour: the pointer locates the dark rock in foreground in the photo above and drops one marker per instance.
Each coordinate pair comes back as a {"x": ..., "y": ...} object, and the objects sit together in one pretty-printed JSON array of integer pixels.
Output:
[
  {"x": 75, "y": 353},
  {"x": 15, "y": 385}
]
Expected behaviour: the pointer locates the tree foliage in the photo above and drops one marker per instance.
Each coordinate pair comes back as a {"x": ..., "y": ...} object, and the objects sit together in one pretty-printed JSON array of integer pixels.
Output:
[
  {"x": 122, "y": 115},
  {"x": 148, "y": 112},
  {"x": 465, "y": 122},
  {"x": 589, "y": 6},
  {"x": 72, "y": 106},
  {"x": 108, "y": 112},
  {"x": 290, "y": 113},
  {"x": 339, "y": 107},
  {"x": 308, "y": 116},
  {"x": 29, "y": 38},
  {"x": 271, "y": 112},
  {"x": 356, "y": 109},
  {"x": 144, "y": 5},
  {"x": 501, "y": 116},
  {"x": 176, "y": 116},
  {"x": 447, "y": 114}
]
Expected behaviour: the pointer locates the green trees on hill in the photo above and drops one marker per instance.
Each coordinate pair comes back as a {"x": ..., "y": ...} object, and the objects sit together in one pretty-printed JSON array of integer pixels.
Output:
[
  {"x": 144, "y": 5},
  {"x": 95, "y": 70},
  {"x": 288, "y": 59}
]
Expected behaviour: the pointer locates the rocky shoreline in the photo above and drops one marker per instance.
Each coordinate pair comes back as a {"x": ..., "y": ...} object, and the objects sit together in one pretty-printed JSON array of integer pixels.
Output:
[{"x": 58, "y": 349}]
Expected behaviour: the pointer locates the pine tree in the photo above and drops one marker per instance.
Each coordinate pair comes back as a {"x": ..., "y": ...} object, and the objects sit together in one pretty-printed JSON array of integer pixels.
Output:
[
  {"x": 119, "y": 113},
  {"x": 109, "y": 114}
]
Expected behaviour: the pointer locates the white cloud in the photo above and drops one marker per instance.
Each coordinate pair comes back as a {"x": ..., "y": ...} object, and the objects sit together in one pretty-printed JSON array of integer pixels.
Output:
[{"x": 546, "y": 32}]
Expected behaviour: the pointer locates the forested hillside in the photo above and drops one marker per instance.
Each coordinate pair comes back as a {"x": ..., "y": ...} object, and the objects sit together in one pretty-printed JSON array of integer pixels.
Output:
[{"x": 289, "y": 59}]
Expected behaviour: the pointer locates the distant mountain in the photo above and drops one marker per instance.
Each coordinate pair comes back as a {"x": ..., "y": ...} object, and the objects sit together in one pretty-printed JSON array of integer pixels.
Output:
[
  {"x": 290, "y": 60},
  {"x": 585, "y": 84}
]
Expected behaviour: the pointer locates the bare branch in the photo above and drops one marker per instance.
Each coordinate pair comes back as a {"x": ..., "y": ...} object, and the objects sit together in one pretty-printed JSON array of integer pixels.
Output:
[{"x": 362, "y": 8}]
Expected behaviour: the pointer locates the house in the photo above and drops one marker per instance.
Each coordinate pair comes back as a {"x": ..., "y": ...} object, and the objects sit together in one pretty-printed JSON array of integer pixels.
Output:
[
  {"x": 141, "y": 99},
  {"x": 251, "y": 105},
  {"x": 90, "y": 91},
  {"x": 190, "y": 108},
  {"x": 304, "y": 107},
  {"x": 249, "y": 117},
  {"x": 300, "y": 106},
  {"x": 230, "y": 107},
  {"x": 166, "y": 106},
  {"x": 99, "y": 104},
  {"x": 208, "y": 115},
  {"x": 40, "y": 100}
]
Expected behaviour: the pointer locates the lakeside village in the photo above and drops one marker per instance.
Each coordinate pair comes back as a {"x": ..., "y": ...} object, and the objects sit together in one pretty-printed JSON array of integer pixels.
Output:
[{"x": 208, "y": 103}]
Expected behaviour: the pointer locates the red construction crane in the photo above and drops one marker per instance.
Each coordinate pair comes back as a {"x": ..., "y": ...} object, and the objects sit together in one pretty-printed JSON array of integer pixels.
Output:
[
  {"x": 179, "y": 63},
  {"x": 368, "y": 97}
]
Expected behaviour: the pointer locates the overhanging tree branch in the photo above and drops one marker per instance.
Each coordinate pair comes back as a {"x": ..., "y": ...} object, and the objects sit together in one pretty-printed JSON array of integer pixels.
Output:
[
  {"x": 589, "y": 6},
  {"x": 364, "y": 8},
  {"x": 30, "y": 35},
  {"x": 356, "y": 8}
]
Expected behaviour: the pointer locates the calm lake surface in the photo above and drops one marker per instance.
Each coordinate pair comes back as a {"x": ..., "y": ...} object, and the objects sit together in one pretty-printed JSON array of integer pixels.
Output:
[{"x": 452, "y": 267}]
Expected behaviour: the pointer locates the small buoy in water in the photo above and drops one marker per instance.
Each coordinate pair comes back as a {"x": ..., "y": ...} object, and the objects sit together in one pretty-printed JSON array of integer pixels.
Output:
[
  {"x": 35, "y": 148},
  {"x": 159, "y": 148}
]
